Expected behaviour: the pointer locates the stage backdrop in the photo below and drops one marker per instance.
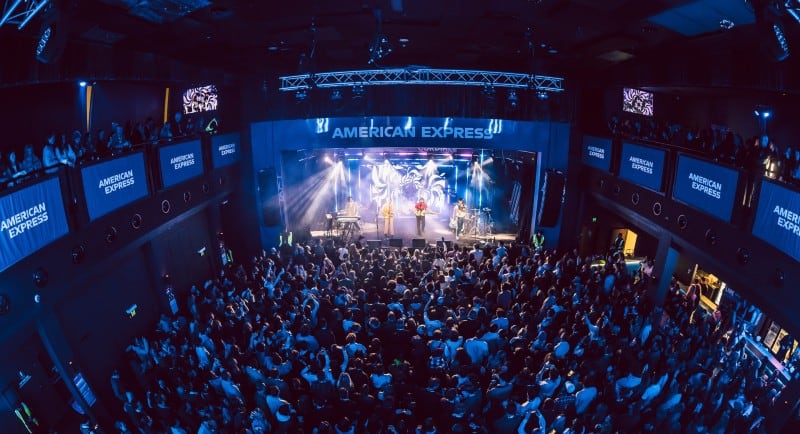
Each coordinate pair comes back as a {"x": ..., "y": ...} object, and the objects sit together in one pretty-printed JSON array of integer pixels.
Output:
[{"x": 550, "y": 139}]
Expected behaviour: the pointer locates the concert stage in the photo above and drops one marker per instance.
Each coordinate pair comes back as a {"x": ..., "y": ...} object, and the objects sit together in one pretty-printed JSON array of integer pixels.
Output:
[
  {"x": 436, "y": 229},
  {"x": 494, "y": 185}
]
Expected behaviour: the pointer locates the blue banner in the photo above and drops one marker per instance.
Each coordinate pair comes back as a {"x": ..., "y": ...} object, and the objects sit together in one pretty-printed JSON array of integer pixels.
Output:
[
  {"x": 30, "y": 219},
  {"x": 706, "y": 186},
  {"x": 113, "y": 184},
  {"x": 225, "y": 150},
  {"x": 597, "y": 152},
  {"x": 180, "y": 162},
  {"x": 642, "y": 165},
  {"x": 409, "y": 131},
  {"x": 778, "y": 218}
]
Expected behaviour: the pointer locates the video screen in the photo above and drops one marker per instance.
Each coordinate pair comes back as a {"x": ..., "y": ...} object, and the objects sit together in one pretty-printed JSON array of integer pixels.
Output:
[
  {"x": 778, "y": 218},
  {"x": 642, "y": 165},
  {"x": 113, "y": 184},
  {"x": 30, "y": 219},
  {"x": 637, "y": 101},
  {"x": 180, "y": 162},
  {"x": 200, "y": 99},
  {"x": 597, "y": 152},
  {"x": 225, "y": 150},
  {"x": 706, "y": 186}
]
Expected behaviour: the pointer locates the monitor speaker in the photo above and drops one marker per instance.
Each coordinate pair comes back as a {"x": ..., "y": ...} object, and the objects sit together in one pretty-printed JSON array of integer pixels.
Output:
[
  {"x": 396, "y": 242},
  {"x": 418, "y": 243},
  {"x": 374, "y": 244}
]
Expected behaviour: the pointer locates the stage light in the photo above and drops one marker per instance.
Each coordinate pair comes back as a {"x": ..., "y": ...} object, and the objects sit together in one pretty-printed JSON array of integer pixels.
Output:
[
  {"x": 780, "y": 37},
  {"x": 542, "y": 95},
  {"x": 327, "y": 159},
  {"x": 512, "y": 99},
  {"x": 488, "y": 91},
  {"x": 358, "y": 91},
  {"x": 380, "y": 48},
  {"x": 82, "y": 83},
  {"x": 301, "y": 95},
  {"x": 336, "y": 95}
]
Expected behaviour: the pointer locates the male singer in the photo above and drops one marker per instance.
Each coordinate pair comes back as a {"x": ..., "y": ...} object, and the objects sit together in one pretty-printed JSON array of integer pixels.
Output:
[
  {"x": 460, "y": 212},
  {"x": 419, "y": 210},
  {"x": 387, "y": 211}
]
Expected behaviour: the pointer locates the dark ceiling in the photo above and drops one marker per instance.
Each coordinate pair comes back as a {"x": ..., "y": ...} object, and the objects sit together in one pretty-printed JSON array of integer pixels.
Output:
[{"x": 553, "y": 37}]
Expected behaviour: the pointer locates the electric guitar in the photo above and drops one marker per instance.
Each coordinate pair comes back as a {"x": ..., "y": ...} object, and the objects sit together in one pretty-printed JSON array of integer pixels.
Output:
[{"x": 424, "y": 212}]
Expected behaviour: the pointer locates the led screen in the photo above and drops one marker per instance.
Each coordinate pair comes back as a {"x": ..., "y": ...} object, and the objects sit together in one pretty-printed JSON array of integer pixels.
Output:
[
  {"x": 224, "y": 150},
  {"x": 30, "y": 219},
  {"x": 706, "y": 186},
  {"x": 642, "y": 165},
  {"x": 200, "y": 99},
  {"x": 114, "y": 184},
  {"x": 778, "y": 218},
  {"x": 637, "y": 101},
  {"x": 597, "y": 152},
  {"x": 180, "y": 162}
]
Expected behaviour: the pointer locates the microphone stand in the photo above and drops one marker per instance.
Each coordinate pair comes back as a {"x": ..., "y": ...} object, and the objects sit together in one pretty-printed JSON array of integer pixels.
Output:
[{"x": 377, "y": 232}]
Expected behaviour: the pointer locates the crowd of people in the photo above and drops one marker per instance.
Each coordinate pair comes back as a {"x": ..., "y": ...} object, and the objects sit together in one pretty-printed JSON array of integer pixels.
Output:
[
  {"x": 76, "y": 147},
  {"x": 493, "y": 338},
  {"x": 757, "y": 154}
]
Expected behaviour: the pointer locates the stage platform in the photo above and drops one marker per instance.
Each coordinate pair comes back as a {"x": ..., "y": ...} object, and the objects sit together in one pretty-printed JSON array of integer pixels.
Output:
[{"x": 406, "y": 230}]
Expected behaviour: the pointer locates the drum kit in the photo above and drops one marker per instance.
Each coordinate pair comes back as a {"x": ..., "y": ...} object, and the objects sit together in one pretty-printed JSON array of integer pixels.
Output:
[{"x": 478, "y": 222}]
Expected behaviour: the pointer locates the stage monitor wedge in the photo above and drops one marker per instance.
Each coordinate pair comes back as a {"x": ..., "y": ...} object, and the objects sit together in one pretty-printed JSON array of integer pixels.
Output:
[
  {"x": 419, "y": 243},
  {"x": 396, "y": 243}
]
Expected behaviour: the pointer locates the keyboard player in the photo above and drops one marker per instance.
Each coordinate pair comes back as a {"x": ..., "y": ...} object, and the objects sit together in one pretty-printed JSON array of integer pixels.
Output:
[{"x": 350, "y": 215}]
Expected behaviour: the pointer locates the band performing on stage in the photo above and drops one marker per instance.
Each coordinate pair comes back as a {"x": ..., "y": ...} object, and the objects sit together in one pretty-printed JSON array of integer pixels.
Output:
[{"x": 397, "y": 196}]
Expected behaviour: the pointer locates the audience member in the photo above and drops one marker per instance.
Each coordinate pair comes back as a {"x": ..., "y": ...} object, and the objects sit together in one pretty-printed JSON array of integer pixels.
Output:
[{"x": 288, "y": 344}]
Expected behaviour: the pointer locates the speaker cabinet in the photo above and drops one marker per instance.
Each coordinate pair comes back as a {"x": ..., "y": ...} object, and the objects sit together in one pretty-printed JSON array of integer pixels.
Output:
[
  {"x": 552, "y": 198},
  {"x": 396, "y": 242}
]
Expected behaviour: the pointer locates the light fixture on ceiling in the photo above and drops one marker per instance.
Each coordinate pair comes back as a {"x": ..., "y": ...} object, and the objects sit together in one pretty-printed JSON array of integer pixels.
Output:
[
  {"x": 301, "y": 95},
  {"x": 358, "y": 91},
  {"x": 762, "y": 112},
  {"x": 726, "y": 24},
  {"x": 380, "y": 47},
  {"x": 488, "y": 91},
  {"x": 542, "y": 95},
  {"x": 512, "y": 99},
  {"x": 403, "y": 42},
  {"x": 769, "y": 16}
]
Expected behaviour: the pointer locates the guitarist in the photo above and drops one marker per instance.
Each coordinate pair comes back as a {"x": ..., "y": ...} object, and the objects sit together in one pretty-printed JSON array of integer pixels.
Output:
[
  {"x": 419, "y": 210},
  {"x": 388, "y": 218}
]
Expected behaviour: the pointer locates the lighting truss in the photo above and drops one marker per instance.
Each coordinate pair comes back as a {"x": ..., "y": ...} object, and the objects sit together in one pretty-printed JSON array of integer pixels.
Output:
[
  {"x": 449, "y": 77},
  {"x": 20, "y": 12}
]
